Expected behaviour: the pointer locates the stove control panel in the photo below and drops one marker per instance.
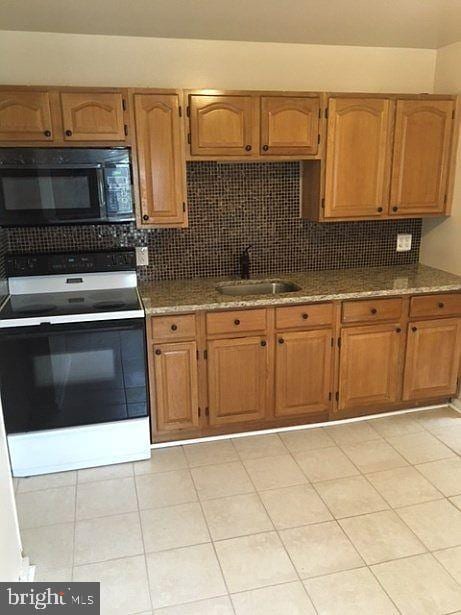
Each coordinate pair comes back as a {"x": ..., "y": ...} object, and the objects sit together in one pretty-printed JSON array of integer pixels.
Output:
[{"x": 83, "y": 262}]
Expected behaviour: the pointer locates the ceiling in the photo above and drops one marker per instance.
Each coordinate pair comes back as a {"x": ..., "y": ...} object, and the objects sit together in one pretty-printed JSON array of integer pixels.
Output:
[{"x": 376, "y": 23}]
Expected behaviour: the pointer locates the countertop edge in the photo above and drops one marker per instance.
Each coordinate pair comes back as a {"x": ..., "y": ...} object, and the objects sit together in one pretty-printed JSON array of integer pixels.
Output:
[{"x": 286, "y": 301}]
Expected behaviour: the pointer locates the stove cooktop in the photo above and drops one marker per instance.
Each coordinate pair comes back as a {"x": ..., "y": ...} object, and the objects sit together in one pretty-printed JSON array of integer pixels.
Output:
[{"x": 67, "y": 303}]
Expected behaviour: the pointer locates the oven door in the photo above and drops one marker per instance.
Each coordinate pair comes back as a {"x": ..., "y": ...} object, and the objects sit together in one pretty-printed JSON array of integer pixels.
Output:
[
  {"x": 72, "y": 374},
  {"x": 51, "y": 194}
]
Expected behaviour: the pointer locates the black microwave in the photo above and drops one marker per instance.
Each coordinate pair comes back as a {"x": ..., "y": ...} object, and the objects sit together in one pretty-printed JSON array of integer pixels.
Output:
[{"x": 47, "y": 186}]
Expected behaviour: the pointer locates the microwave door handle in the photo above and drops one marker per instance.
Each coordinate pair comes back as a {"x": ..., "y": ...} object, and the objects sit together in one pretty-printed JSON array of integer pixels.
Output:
[{"x": 101, "y": 189}]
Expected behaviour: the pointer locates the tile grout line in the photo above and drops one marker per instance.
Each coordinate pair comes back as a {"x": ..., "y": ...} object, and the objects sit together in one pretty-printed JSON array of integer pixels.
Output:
[
  {"x": 146, "y": 567},
  {"x": 212, "y": 543}
]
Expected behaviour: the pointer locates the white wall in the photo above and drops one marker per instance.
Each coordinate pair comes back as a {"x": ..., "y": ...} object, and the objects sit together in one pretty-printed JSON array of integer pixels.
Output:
[
  {"x": 441, "y": 240},
  {"x": 10, "y": 542},
  {"x": 74, "y": 59}
]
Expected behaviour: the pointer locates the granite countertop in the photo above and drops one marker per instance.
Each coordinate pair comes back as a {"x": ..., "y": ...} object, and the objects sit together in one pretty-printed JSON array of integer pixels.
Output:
[{"x": 176, "y": 296}]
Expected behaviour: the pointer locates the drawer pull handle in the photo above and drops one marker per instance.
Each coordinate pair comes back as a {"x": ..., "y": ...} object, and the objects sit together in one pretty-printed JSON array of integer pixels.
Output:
[
  {"x": 374, "y": 311},
  {"x": 380, "y": 209},
  {"x": 248, "y": 148},
  {"x": 236, "y": 321},
  {"x": 145, "y": 217},
  {"x": 395, "y": 209},
  {"x": 68, "y": 133},
  {"x": 281, "y": 340},
  {"x": 305, "y": 316},
  {"x": 414, "y": 329},
  {"x": 158, "y": 351},
  {"x": 263, "y": 343},
  {"x": 265, "y": 148},
  {"x": 441, "y": 305},
  {"x": 47, "y": 133},
  {"x": 398, "y": 330},
  {"x": 174, "y": 327}
]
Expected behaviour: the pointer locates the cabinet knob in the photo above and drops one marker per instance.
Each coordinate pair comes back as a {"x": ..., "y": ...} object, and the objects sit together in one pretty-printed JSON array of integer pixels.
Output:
[
  {"x": 414, "y": 329},
  {"x": 174, "y": 327},
  {"x": 145, "y": 217},
  {"x": 374, "y": 311},
  {"x": 68, "y": 133},
  {"x": 248, "y": 148},
  {"x": 305, "y": 316},
  {"x": 158, "y": 351},
  {"x": 398, "y": 330},
  {"x": 265, "y": 148},
  {"x": 281, "y": 340},
  {"x": 47, "y": 133},
  {"x": 236, "y": 321},
  {"x": 395, "y": 209},
  {"x": 441, "y": 305},
  {"x": 263, "y": 343},
  {"x": 380, "y": 209}
]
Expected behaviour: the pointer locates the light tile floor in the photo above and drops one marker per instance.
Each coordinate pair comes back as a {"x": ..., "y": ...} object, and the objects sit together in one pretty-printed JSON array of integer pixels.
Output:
[{"x": 355, "y": 519}]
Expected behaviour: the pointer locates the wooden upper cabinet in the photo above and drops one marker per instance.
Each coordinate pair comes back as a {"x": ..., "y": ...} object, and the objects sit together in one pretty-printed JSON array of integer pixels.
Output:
[
  {"x": 303, "y": 372},
  {"x": 370, "y": 370},
  {"x": 357, "y": 157},
  {"x": 25, "y": 116},
  {"x": 175, "y": 386},
  {"x": 423, "y": 132},
  {"x": 432, "y": 361},
  {"x": 238, "y": 374},
  {"x": 93, "y": 116},
  {"x": 160, "y": 154},
  {"x": 223, "y": 125},
  {"x": 289, "y": 125}
]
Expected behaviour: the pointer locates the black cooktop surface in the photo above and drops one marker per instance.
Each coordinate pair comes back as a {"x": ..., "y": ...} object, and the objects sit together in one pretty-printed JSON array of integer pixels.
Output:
[{"x": 58, "y": 304}]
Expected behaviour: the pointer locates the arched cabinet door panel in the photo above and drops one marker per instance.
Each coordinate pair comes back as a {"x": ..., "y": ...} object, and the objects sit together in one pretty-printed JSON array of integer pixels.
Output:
[
  {"x": 289, "y": 125},
  {"x": 423, "y": 131},
  {"x": 93, "y": 116},
  {"x": 357, "y": 158},
  {"x": 223, "y": 125},
  {"x": 160, "y": 154},
  {"x": 25, "y": 116}
]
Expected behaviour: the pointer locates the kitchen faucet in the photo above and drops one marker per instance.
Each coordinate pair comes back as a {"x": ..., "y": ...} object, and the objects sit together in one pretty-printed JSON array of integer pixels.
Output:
[{"x": 245, "y": 263}]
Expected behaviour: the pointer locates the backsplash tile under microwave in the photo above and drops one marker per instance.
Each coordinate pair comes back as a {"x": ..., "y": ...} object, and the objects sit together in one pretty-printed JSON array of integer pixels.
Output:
[{"x": 232, "y": 205}]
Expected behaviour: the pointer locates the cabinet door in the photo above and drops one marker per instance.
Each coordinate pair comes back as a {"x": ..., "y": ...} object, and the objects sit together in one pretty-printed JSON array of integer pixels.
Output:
[
  {"x": 92, "y": 116},
  {"x": 357, "y": 159},
  {"x": 423, "y": 133},
  {"x": 303, "y": 372},
  {"x": 237, "y": 379},
  {"x": 289, "y": 125},
  {"x": 370, "y": 371},
  {"x": 25, "y": 116},
  {"x": 223, "y": 125},
  {"x": 174, "y": 386},
  {"x": 161, "y": 163},
  {"x": 432, "y": 362}
]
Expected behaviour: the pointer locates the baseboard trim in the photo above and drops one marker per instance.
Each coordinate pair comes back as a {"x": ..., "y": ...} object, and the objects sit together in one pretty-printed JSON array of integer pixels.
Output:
[
  {"x": 259, "y": 432},
  {"x": 27, "y": 574}
]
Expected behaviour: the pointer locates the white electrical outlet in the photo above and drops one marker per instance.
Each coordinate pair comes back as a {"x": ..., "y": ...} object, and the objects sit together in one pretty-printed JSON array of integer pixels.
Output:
[
  {"x": 403, "y": 242},
  {"x": 142, "y": 256}
]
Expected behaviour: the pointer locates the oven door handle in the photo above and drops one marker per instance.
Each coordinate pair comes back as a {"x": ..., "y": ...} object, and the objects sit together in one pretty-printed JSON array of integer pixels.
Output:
[{"x": 51, "y": 167}]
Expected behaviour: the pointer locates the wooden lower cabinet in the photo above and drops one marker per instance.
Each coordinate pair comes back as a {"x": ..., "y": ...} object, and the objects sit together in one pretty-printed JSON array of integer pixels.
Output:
[
  {"x": 175, "y": 384},
  {"x": 432, "y": 361},
  {"x": 238, "y": 374},
  {"x": 370, "y": 369},
  {"x": 303, "y": 372}
]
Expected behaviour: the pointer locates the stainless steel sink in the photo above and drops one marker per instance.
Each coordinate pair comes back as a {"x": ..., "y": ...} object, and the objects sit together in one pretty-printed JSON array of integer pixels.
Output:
[{"x": 255, "y": 287}]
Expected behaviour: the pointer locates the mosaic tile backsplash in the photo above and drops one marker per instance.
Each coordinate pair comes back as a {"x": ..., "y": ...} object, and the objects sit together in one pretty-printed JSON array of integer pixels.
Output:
[{"x": 233, "y": 205}]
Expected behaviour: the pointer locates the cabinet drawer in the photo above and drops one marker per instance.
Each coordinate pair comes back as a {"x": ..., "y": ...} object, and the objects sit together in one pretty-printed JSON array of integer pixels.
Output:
[
  {"x": 436, "y": 305},
  {"x": 173, "y": 327},
  {"x": 374, "y": 310},
  {"x": 239, "y": 321},
  {"x": 304, "y": 316}
]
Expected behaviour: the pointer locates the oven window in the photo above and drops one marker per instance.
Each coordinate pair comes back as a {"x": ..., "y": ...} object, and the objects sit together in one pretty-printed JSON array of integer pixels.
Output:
[
  {"x": 50, "y": 194},
  {"x": 72, "y": 375}
]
